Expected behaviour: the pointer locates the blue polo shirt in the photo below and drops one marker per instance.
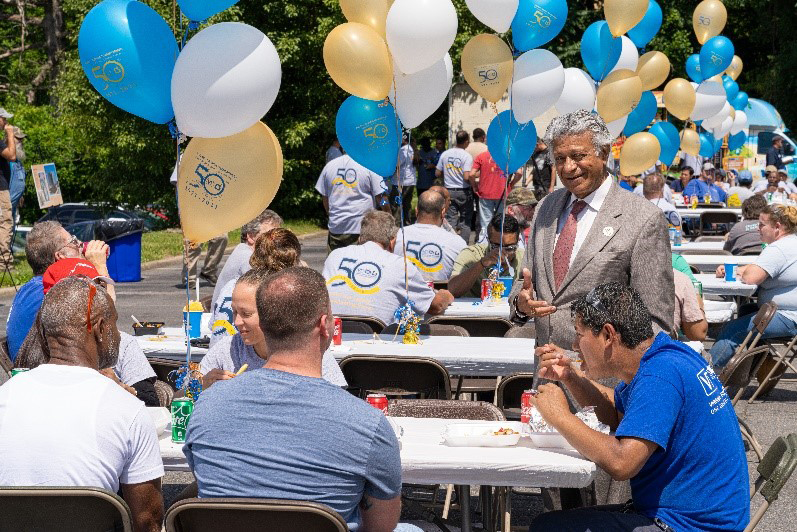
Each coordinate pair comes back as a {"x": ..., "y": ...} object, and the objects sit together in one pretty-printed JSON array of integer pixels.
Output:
[
  {"x": 23, "y": 311},
  {"x": 699, "y": 188},
  {"x": 697, "y": 477}
]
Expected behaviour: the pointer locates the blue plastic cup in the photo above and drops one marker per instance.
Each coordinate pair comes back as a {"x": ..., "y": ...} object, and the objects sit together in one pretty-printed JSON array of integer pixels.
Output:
[
  {"x": 507, "y": 285},
  {"x": 194, "y": 319},
  {"x": 730, "y": 271}
]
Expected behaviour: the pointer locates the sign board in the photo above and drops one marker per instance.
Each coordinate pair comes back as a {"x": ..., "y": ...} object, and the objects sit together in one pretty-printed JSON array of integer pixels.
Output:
[{"x": 48, "y": 190}]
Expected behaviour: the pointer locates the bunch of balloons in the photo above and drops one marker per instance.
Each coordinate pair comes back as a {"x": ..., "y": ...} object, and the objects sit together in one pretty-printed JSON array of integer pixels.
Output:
[{"x": 215, "y": 89}]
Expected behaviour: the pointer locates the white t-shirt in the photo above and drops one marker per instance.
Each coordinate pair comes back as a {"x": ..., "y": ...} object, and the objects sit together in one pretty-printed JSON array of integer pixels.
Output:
[
  {"x": 763, "y": 184},
  {"x": 72, "y": 426},
  {"x": 431, "y": 248},
  {"x": 666, "y": 192},
  {"x": 742, "y": 193},
  {"x": 235, "y": 266},
  {"x": 350, "y": 189},
  {"x": 132, "y": 365},
  {"x": 222, "y": 311},
  {"x": 231, "y": 353},
  {"x": 366, "y": 280},
  {"x": 406, "y": 173},
  {"x": 669, "y": 210},
  {"x": 779, "y": 260},
  {"x": 454, "y": 162}
]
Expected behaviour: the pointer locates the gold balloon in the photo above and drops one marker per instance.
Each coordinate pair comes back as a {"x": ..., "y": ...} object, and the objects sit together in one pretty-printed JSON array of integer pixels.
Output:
[
  {"x": 622, "y": 15},
  {"x": 690, "y": 141},
  {"x": 369, "y": 12},
  {"x": 736, "y": 67},
  {"x": 716, "y": 79},
  {"x": 619, "y": 94},
  {"x": 487, "y": 66},
  {"x": 357, "y": 59},
  {"x": 639, "y": 152},
  {"x": 225, "y": 182},
  {"x": 679, "y": 97},
  {"x": 709, "y": 19},
  {"x": 653, "y": 69}
]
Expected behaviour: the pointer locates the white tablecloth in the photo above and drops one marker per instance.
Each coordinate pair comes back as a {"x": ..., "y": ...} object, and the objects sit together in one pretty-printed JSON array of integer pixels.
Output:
[
  {"x": 687, "y": 212},
  {"x": 426, "y": 460},
  {"x": 712, "y": 285},
  {"x": 709, "y": 263},
  {"x": 468, "y": 307},
  {"x": 698, "y": 246},
  {"x": 169, "y": 345},
  {"x": 470, "y": 356}
]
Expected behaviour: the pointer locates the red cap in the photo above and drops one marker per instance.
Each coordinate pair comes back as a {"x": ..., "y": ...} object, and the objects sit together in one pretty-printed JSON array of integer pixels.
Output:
[{"x": 68, "y": 268}]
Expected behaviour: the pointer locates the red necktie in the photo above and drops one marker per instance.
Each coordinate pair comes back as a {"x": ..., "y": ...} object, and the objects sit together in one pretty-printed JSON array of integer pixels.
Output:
[{"x": 564, "y": 245}]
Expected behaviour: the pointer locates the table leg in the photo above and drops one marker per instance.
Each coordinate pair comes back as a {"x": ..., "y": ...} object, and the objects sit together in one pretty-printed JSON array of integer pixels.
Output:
[
  {"x": 464, "y": 507},
  {"x": 459, "y": 386},
  {"x": 506, "y": 512}
]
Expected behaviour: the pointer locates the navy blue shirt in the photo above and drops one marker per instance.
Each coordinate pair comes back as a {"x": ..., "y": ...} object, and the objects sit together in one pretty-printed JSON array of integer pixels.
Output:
[
  {"x": 697, "y": 478},
  {"x": 699, "y": 188},
  {"x": 23, "y": 312}
]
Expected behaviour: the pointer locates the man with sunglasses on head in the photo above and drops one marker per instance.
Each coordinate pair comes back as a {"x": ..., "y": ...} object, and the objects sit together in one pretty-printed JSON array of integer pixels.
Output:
[{"x": 475, "y": 262}]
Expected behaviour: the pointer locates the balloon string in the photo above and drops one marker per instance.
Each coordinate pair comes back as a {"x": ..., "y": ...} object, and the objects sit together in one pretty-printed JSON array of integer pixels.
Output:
[{"x": 400, "y": 188}]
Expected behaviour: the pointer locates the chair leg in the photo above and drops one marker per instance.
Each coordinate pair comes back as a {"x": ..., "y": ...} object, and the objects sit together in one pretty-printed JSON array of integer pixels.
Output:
[
  {"x": 778, "y": 362},
  {"x": 757, "y": 517},
  {"x": 506, "y": 509},
  {"x": 447, "y": 504},
  {"x": 747, "y": 434},
  {"x": 464, "y": 508}
]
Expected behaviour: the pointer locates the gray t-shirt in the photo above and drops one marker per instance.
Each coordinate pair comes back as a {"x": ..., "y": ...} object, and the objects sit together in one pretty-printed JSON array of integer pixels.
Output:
[
  {"x": 742, "y": 193},
  {"x": 779, "y": 260},
  {"x": 350, "y": 189},
  {"x": 276, "y": 435},
  {"x": 742, "y": 235},
  {"x": 132, "y": 365},
  {"x": 237, "y": 264},
  {"x": 431, "y": 249},
  {"x": 406, "y": 174},
  {"x": 366, "y": 280},
  {"x": 454, "y": 163},
  {"x": 231, "y": 353}
]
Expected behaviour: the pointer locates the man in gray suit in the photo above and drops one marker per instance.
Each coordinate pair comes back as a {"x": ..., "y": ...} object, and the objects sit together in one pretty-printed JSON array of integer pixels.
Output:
[{"x": 591, "y": 232}]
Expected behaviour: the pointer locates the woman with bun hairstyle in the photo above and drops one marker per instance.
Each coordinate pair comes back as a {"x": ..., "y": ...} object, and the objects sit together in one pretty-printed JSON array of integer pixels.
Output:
[{"x": 775, "y": 272}]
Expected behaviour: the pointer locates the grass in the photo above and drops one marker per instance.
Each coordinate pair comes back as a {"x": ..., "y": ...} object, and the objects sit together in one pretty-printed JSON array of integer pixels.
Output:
[{"x": 156, "y": 245}]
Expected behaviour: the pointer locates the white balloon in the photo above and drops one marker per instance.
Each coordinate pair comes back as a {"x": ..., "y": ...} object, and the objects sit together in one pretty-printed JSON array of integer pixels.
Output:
[
  {"x": 616, "y": 126},
  {"x": 629, "y": 56},
  {"x": 495, "y": 14},
  {"x": 723, "y": 129},
  {"x": 714, "y": 121},
  {"x": 225, "y": 79},
  {"x": 578, "y": 92},
  {"x": 739, "y": 123},
  {"x": 709, "y": 100},
  {"x": 420, "y": 32},
  {"x": 420, "y": 94},
  {"x": 539, "y": 79}
]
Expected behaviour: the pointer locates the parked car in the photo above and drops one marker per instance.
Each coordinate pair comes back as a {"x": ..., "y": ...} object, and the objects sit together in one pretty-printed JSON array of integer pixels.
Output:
[{"x": 70, "y": 213}]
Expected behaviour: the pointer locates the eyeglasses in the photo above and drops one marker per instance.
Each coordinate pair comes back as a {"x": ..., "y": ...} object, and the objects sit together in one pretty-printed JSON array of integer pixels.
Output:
[
  {"x": 74, "y": 242},
  {"x": 592, "y": 299},
  {"x": 510, "y": 249}
]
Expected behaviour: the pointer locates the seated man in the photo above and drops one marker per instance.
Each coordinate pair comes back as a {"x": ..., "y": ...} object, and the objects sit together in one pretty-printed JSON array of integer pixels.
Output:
[
  {"x": 745, "y": 234},
  {"x": 475, "y": 262},
  {"x": 770, "y": 184},
  {"x": 356, "y": 468},
  {"x": 430, "y": 247},
  {"x": 653, "y": 190},
  {"x": 676, "y": 434},
  {"x": 64, "y": 424},
  {"x": 443, "y": 191},
  {"x": 690, "y": 316},
  {"x": 367, "y": 279}
]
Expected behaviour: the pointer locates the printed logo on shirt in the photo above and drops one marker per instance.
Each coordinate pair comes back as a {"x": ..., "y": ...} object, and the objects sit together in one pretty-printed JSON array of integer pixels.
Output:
[
  {"x": 455, "y": 165},
  {"x": 708, "y": 380},
  {"x": 346, "y": 177},
  {"x": 362, "y": 277},
  {"x": 428, "y": 257}
]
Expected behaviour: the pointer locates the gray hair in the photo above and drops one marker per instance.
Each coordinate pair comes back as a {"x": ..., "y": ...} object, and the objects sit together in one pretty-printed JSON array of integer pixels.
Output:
[
  {"x": 42, "y": 244},
  {"x": 266, "y": 217},
  {"x": 575, "y": 123},
  {"x": 379, "y": 227}
]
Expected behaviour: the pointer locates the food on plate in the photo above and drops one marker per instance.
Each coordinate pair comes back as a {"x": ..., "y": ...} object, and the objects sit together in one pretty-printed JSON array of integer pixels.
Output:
[{"x": 504, "y": 432}]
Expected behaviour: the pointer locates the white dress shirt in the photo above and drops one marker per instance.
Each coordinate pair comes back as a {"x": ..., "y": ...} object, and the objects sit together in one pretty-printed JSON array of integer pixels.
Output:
[{"x": 585, "y": 217}]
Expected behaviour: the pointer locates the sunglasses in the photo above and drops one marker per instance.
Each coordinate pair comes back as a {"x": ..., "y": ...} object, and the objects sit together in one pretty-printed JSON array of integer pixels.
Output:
[
  {"x": 592, "y": 299},
  {"x": 74, "y": 242},
  {"x": 509, "y": 249}
]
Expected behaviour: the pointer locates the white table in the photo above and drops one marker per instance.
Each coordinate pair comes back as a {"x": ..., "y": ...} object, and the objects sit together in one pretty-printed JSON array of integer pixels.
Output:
[
  {"x": 471, "y": 356},
  {"x": 471, "y": 307},
  {"x": 698, "y": 246},
  {"x": 712, "y": 285},
  {"x": 687, "y": 212},
  {"x": 169, "y": 345},
  {"x": 709, "y": 263},
  {"x": 425, "y": 459}
]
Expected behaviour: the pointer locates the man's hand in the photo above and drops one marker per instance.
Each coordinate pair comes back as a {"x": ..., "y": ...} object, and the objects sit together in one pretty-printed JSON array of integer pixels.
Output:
[
  {"x": 97, "y": 254},
  {"x": 720, "y": 271},
  {"x": 216, "y": 375},
  {"x": 526, "y": 302},
  {"x": 552, "y": 403},
  {"x": 111, "y": 374},
  {"x": 553, "y": 364}
]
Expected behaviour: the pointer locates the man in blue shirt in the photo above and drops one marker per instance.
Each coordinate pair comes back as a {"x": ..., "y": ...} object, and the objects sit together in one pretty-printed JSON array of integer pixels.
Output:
[
  {"x": 705, "y": 185},
  {"x": 676, "y": 435}
]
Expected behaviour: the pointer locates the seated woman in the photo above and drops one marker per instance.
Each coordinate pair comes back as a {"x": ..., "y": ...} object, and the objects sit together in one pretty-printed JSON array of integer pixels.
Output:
[
  {"x": 775, "y": 271},
  {"x": 227, "y": 355}
]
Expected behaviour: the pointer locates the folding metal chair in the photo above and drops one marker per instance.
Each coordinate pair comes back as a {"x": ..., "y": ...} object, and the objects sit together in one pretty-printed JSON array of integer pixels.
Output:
[
  {"x": 361, "y": 324},
  {"x": 774, "y": 471},
  {"x": 396, "y": 376},
  {"x": 716, "y": 223},
  {"x": 777, "y": 365},
  {"x": 476, "y": 325}
]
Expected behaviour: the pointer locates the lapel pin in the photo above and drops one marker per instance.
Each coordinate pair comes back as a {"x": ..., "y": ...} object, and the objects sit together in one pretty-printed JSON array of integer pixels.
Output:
[{"x": 608, "y": 231}]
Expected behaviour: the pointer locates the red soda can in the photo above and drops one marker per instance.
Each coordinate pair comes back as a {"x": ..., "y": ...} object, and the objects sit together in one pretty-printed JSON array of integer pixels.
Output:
[
  {"x": 526, "y": 406},
  {"x": 85, "y": 245},
  {"x": 430, "y": 284},
  {"x": 337, "y": 335},
  {"x": 378, "y": 401},
  {"x": 485, "y": 289}
]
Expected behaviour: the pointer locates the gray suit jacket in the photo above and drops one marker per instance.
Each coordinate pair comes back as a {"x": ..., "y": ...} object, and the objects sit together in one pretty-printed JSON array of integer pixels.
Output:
[{"x": 635, "y": 251}]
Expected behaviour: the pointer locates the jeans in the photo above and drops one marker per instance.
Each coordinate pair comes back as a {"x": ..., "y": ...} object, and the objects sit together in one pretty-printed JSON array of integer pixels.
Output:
[
  {"x": 735, "y": 331},
  {"x": 487, "y": 208},
  {"x": 460, "y": 212},
  {"x": 614, "y": 517},
  {"x": 16, "y": 187}
]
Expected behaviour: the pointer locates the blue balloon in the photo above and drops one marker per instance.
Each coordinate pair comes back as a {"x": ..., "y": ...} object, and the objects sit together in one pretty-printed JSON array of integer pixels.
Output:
[
  {"x": 642, "y": 115},
  {"x": 670, "y": 141},
  {"x": 693, "y": 68},
  {"x": 731, "y": 87},
  {"x": 716, "y": 56},
  {"x": 128, "y": 53},
  {"x": 199, "y": 10},
  {"x": 740, "y": 102},
  {"x": 648, "y": 27},
  {"x": 707, "y": 144},
  {"x": 369, "y": 132},
  {"x": 510, "y": 144},
  {"x": 736, "y": 141},
  {"x": 537, "y": 22},
  {"x": 599, "y": 50}
]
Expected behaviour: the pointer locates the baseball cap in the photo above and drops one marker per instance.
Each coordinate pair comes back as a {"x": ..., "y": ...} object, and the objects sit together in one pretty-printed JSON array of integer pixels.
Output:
[
  {"x": 745, "y": 176},
  {"x": 5, "y": 114},
  {"x": 70, "y": 267},
  {"x": 521, "y": 196},
  {"x": 783, "y": 171},
  {"x": 708, "y": 166},
  {"x": 770, "y": 168}
]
